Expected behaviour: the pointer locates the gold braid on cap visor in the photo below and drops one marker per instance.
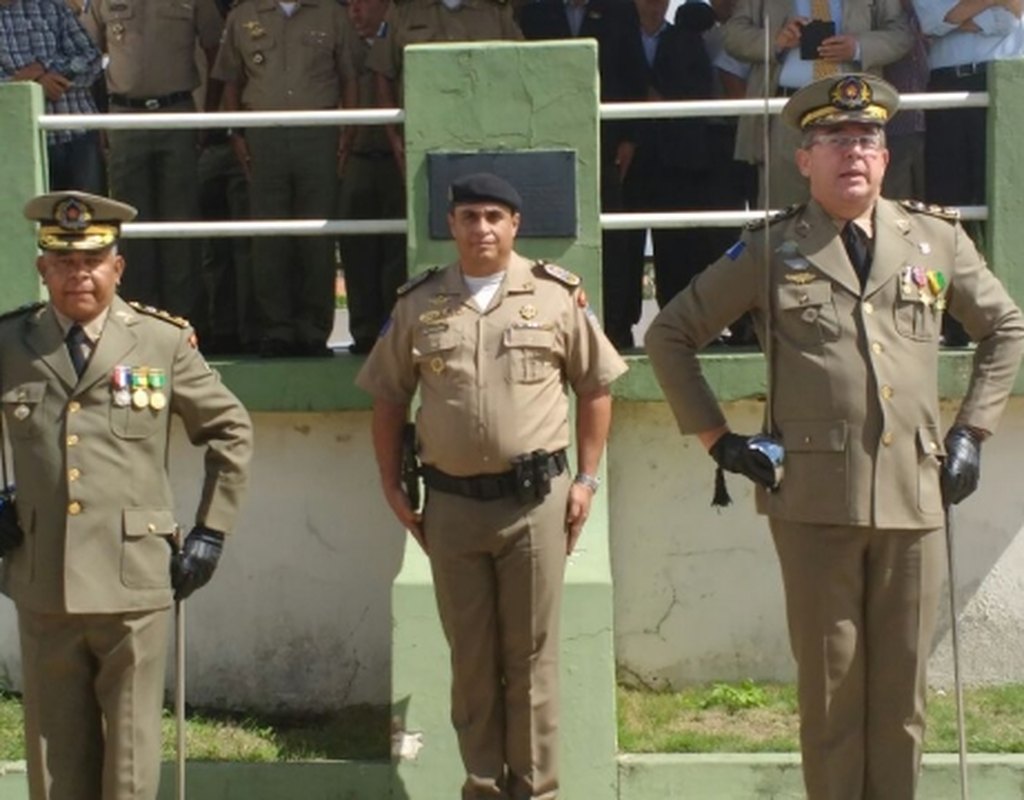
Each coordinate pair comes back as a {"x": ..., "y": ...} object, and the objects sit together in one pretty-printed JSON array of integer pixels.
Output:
[
  {"x": 94, "y": 237},
  {"x": 824, "y": 115}
]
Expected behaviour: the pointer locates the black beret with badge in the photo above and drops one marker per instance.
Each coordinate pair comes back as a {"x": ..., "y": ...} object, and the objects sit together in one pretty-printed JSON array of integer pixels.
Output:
[
  {"x": 837, "y": 100},
  {"x": 73, "y": 220},
  {"x": 483, "y": 187}
]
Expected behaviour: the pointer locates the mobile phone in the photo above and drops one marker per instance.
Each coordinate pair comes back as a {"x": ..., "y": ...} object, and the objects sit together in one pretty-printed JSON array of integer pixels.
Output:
[{"x": 812, "y": 35}]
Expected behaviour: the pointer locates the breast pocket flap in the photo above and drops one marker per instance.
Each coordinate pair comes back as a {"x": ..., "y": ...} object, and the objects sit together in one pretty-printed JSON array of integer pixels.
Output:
[
  {"x": 426, "y": 342},
  {"x": 929, "y": 442},
  {"x": 25, "y": 393},
  {"x": 542, "y": 338},
  {"x": 139, "y": 522}
]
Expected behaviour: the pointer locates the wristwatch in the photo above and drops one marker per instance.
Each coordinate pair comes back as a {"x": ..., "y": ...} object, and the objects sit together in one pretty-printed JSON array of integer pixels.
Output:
[{"x": 592, "y": 482}]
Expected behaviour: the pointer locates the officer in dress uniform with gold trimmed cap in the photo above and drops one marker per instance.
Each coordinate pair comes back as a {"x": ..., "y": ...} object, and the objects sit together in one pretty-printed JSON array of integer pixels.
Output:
[
  {"x": 89, "y": 384},
  {"x": 491, "y": 341},
  {"x": 851, "y": 288}
]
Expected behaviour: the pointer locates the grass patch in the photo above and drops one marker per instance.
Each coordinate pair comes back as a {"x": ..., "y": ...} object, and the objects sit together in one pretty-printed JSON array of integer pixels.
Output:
[
  {"x": 358, "y": 732},
  {"x": 745, "y": 717},
  {"x": 752, "y": 717}
]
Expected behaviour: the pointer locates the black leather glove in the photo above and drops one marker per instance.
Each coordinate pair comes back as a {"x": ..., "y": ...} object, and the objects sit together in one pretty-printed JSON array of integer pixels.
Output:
[
  {"x": 962, "y": 467},
  {"x": 11, "y": 535},
  {"x": 194, "y": 565},
  {"x": 732, "y": 453}
]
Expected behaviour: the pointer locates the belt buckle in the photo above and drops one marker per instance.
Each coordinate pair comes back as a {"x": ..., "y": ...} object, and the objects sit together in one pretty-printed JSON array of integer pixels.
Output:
[{"x": 151, "y": 104}]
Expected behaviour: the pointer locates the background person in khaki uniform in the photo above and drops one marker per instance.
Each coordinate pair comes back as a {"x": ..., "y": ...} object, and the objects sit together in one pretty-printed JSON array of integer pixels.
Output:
[
  {"x": 371, "y": 188},
  {"x": 89, "y": 384},
  {"x": 491, "y": 341},
  {"x": 151, "y": 46},
  {"x": 869, "y": 35},
  {"x": 857, "y": 521},
  {"x": 285, "y": 56},
  {"x": 423, "y": 21}
]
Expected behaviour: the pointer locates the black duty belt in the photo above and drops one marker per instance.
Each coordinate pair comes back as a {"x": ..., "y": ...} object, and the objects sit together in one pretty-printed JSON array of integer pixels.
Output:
[
  {"x": 961, "y": 70},
  {"x": 150, "y": 103},
  {"x": 488, "y": 487}
]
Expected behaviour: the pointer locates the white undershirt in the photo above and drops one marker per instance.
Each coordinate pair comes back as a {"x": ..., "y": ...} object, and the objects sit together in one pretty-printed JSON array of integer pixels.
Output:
[{"x": 483, "y": 289}]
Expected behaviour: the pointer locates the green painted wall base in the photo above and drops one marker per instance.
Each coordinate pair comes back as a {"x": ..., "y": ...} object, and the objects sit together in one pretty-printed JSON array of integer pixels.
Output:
[
  {"x": 421, "y": 676},
  {"x": 776, "y": 776},
  {"x": 720, "y": 776}
]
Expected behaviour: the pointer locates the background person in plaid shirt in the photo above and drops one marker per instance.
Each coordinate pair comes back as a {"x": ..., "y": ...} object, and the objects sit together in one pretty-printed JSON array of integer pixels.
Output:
[{"x": 42, "y": 41}]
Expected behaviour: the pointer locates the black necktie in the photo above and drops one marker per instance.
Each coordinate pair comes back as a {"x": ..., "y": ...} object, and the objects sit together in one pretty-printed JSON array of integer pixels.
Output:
[
  {"x": 77, "y": 344},
  {"x": 858, "y": 249}
]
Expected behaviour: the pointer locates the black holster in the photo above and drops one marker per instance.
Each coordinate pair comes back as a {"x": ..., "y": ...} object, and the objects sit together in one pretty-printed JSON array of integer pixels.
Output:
[
  {"x": 533, "y": 475},
  {"x": 11, "y": 535},
  {"x": 410, "y": 466}
]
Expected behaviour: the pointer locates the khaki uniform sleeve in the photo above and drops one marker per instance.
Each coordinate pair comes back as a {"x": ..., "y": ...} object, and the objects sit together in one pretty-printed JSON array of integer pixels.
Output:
[
  {"x": 228, "y": 67},
  {"x": 214, "y": 418},
  {"x": 982, "y": 305},
  {"x": 346, "y": 56},
  {"x": 717, "y": 297},
  {"x": 386, "y": 53},
  {"x": 209, "y": 24},
  {"x": 592, "y": 363},
  {"x": 390, "y": 371},
  {"x": 92, "y": 21}
]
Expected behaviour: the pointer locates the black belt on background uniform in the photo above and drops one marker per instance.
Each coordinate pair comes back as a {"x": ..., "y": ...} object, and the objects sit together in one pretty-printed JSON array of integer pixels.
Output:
[
  {"x": 961, "y": 70},
  {"x": 487, "y": 487},
  {"x": 150, "y": 103}
]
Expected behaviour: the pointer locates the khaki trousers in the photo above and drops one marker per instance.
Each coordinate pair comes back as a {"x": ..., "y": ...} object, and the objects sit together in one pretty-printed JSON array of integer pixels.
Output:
[
  {"x": 498, "y": 568},
  {"x": 861, "y": 604},
  {"x": 93, "y": 692}
]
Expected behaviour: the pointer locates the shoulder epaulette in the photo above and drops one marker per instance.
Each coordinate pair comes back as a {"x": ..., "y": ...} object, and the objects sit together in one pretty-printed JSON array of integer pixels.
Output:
[
  {"x": 778, "y": 216},
  {"x": 28, "y": 308},
  {"x": 942, "y": 212},
  {"x": 560, "y": 274},
  {"x": 166, "y": 316},
  {"x": 416, "y": 280}
]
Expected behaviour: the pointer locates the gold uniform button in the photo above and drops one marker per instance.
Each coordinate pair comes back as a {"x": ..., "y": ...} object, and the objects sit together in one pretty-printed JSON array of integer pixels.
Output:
[
  {"x": 74, "y": 508},
  {"x": 887, "y": 438},
  {"x": 74, "y": 474},
  {"x": 868, "y": 307},
  {"x": 73, "y": 440},
  {"x": 887, "y": 392},
  {"x": 933, "y": 446},
  {"x": 74, "y": 407},
  {"x": 876, "y": 348},
  {"x": 151, "y": 527}
]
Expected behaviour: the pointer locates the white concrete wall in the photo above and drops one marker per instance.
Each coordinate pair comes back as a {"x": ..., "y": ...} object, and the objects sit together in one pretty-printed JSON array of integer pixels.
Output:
[
  {"x": 298, "y": 615},
  {"x": 698, "y": 595}
]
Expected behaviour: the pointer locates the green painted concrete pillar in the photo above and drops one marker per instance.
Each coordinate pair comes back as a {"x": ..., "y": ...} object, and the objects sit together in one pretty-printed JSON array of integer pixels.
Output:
[
  {"x": 521, "y": 97},
  {"x": 22, "y": 172},
  {"x": 1005, "y": 177}
]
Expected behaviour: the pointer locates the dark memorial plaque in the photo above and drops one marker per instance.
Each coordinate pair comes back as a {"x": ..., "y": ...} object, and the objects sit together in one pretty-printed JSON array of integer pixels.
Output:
[{"x": 545, "y": 179}]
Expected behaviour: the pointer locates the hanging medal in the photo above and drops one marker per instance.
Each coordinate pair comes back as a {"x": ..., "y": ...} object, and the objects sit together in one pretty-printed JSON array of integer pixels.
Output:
[
  {"x": 121, "y": 381},
  {"x": 140, "y": 387},
  {"x": 157, "y": 382}
]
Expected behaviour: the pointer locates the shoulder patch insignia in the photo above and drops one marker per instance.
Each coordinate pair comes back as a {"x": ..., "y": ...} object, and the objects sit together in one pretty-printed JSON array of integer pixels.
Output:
[
  {"x": 416, "y": 280},
  {"x": 942, "y": 212},
  {"x": 28, "y": 308},
  {"x": 779, "y": 216},
  {"x": 560, "y": 274},
  {"x": 166, "y": 316}
]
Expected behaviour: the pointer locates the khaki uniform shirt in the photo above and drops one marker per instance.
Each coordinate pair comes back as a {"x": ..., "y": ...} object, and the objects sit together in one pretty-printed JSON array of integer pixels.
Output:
[
  {"x": 368, "y": 138},
  {"x": 287, "y": 63},
  {"x": 855, "y": 378},
  {"x": 152, "y": 43},
  {"x": 94, "y": 499},
  {"x": 424, "y": 21},
  {"x": 493, "y": 383}
]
